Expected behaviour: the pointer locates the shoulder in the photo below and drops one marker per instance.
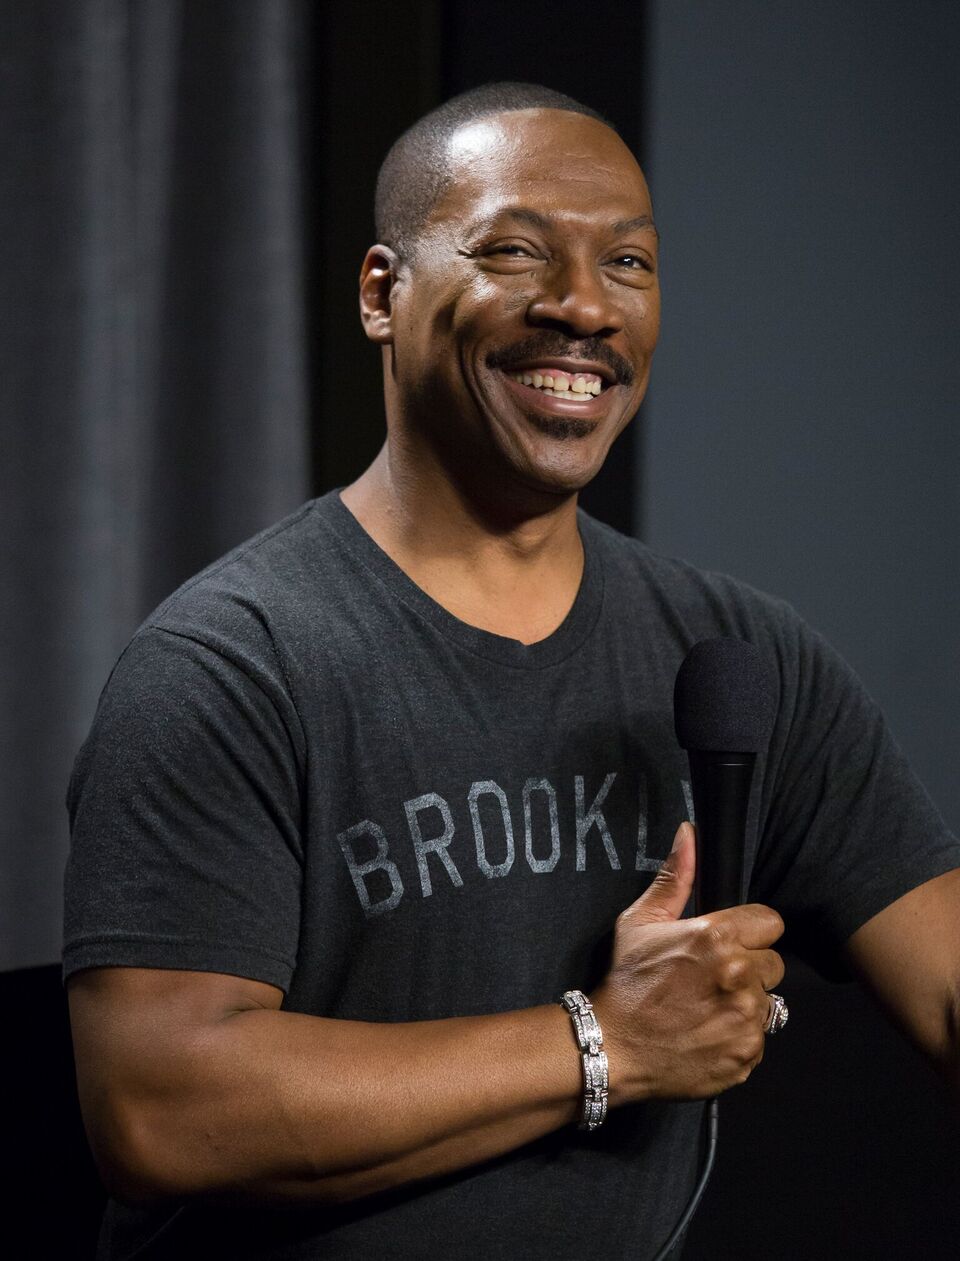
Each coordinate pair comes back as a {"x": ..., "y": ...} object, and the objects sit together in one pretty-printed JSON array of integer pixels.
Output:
[
  {"x": 240, "y": 588},
  {"x": 227, "y": 629},
  {"x": 705, "y": 602},
  {"x": 264, "y": 594},
  {"x": 210, "y": 659},
  {"x": 660, "y": 600}
]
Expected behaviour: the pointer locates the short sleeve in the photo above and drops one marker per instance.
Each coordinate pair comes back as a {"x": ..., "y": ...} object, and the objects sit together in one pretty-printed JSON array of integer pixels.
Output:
[
  {"x": 848, "y": 828},
  {"x": 185, "y": 816}
]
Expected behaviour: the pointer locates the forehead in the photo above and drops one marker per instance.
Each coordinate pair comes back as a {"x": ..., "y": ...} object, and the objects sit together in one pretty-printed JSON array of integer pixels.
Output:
[{"x": 564, "y": 163}]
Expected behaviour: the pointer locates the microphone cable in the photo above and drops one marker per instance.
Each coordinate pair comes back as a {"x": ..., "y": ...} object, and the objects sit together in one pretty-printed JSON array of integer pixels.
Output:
[{"x": 709, "y": 1142}]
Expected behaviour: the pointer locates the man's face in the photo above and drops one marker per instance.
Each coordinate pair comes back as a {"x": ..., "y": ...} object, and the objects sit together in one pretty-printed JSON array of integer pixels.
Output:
[{"x": 537, "y": 265}]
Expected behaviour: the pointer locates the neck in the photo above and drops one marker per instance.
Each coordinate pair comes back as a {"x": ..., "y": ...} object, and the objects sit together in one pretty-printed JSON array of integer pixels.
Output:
[{"x": 509, "y": 563}]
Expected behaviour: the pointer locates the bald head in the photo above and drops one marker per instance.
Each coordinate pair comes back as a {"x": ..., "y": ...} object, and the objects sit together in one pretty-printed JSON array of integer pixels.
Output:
[{"x": 417, "y": 170}]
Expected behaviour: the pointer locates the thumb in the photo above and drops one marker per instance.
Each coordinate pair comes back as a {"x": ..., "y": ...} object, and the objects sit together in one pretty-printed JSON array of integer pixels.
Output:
[{"x": 672, "y": 885}]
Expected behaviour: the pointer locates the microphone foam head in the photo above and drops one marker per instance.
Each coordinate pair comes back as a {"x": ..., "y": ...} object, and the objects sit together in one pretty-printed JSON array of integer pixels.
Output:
[{"x": 723, "y": 699}]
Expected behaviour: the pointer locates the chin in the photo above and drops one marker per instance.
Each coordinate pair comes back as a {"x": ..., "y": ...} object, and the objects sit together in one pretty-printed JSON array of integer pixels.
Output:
[{"x": 566, "y": 468}]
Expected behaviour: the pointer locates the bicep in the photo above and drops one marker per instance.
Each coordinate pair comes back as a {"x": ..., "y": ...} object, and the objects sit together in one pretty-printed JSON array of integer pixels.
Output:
[
  {"x": 121, "y": 1017},
  {"x": 909, "y": 956},
  {"x": 135, "y": 1036}
]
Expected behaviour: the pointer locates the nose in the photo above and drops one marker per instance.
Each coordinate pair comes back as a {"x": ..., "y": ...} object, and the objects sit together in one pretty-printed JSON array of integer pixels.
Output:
[{"x": 576, "y": 298}]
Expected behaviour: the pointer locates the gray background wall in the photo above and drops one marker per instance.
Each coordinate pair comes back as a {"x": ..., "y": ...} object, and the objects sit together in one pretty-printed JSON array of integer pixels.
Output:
[
  {"x": 802, "y": 432},
  {"x": 802, "y": 426}
]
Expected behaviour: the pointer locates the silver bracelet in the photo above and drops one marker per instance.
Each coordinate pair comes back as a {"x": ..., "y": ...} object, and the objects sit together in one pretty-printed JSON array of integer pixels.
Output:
[{"x": 596, "y": 1076}]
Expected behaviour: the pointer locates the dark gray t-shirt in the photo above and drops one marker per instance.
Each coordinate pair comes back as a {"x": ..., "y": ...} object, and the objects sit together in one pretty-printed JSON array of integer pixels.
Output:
[{"x": 305, "y": 771}]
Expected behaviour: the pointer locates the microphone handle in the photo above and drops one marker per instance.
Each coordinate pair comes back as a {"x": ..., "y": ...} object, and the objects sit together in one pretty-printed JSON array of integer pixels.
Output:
[{"x": 721, "y": 796}]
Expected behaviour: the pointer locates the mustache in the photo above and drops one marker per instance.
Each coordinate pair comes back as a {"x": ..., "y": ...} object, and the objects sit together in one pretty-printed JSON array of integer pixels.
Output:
[{"x": 549, "y": 344}]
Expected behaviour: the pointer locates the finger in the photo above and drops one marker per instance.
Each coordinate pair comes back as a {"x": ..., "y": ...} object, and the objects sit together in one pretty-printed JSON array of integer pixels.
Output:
[
  {"x": 761, "y": 970},
  {"x": 767, "y": 1014},
  {"x": 775, "y": 1007},
  {"x": 752, "y": 925},
  {"x": 670, "y": 891},
  {"x": 770, "y": 968}
]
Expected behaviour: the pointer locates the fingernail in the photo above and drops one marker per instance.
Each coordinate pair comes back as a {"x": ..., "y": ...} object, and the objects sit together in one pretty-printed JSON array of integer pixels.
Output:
[{"x": 677, "y": 840}]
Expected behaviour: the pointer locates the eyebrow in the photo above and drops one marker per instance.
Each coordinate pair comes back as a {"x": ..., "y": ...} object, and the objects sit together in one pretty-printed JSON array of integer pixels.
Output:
[
  {"x": 634, "y": 225},
  {"x": 537, "y": 220}
]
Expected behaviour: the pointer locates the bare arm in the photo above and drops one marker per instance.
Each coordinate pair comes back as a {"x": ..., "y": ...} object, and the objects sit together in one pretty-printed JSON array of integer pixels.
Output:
[
  {"x": 909, "y": 956},
  {"x": 196, "y": 1083}
]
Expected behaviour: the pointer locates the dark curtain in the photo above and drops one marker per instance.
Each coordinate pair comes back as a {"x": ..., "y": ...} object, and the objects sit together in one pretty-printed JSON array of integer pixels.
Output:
[{"x": 153, "y": 356}]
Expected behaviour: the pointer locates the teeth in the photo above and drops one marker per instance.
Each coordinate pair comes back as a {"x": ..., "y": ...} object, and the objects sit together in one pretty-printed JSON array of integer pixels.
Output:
[{"x": 557, "y": 386}]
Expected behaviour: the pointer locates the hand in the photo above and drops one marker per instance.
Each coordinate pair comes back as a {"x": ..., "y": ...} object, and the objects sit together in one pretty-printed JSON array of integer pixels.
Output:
[{"x": 683, "y": 1006}]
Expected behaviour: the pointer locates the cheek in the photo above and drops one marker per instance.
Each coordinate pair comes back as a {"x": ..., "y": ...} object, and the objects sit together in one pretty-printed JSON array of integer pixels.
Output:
[
  {"x": 484, "y": 306},
  {"x": 646, "y": 331},
  {"x": 653, "y": 314}
]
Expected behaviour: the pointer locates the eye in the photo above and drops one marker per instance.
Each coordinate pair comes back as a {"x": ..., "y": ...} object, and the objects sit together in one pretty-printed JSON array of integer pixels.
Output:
[
  {"x": 508, "y": 258},
  {"x": 511, "y": 250},
  {"x": 633, "y": 262}
]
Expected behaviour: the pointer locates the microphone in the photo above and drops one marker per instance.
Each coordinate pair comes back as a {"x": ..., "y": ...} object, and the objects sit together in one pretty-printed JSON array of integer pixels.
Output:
[{"x": 723, "y": 709}]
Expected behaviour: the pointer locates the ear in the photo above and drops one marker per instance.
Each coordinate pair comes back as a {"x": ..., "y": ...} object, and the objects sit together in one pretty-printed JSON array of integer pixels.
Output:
[{"x": 378, "y": 275}]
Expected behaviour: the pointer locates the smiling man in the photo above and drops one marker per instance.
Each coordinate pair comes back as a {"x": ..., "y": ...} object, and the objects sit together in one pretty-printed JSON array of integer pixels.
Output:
[
  {"x": 518, "y": 312},
  {"x": 363, "y": 800}
]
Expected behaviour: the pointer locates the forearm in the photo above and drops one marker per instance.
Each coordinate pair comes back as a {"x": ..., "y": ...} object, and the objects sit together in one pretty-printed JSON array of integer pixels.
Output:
[
  {"x": 197, "y": 1084},
  {"x": 276, "y": 1106}
]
